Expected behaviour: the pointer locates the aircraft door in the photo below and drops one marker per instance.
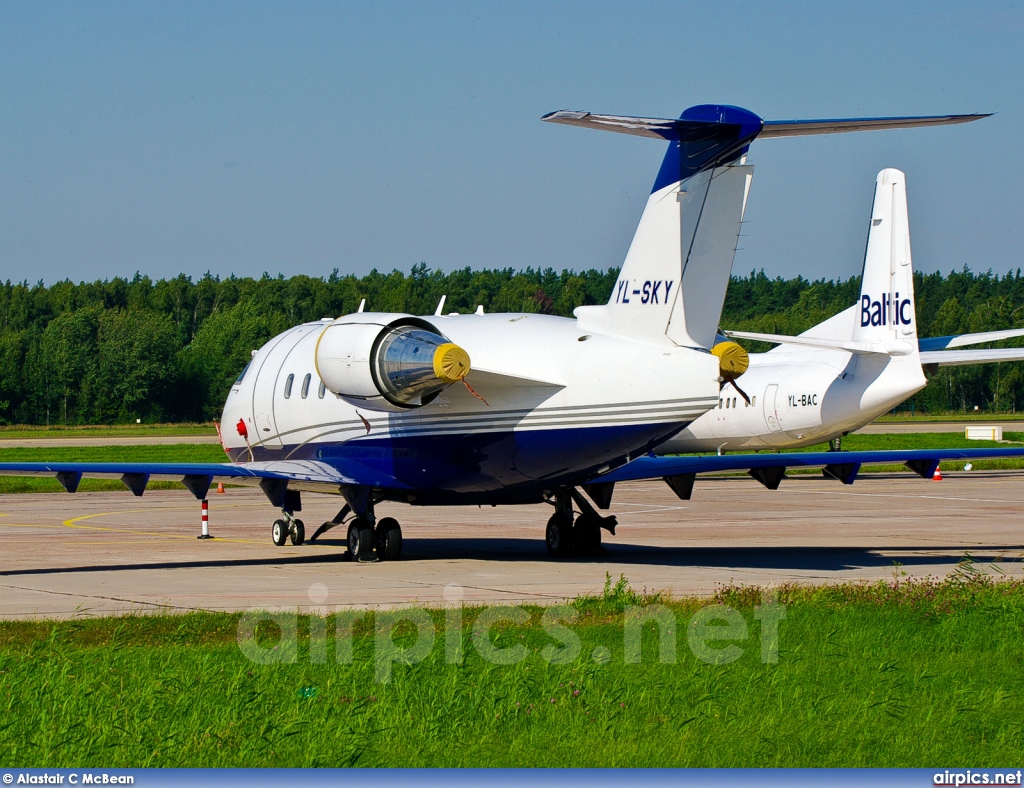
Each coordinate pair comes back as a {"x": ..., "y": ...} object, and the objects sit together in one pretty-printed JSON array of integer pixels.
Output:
[
  {"x": 265, "y": 390},
  {"x": 771, "y": 413}
]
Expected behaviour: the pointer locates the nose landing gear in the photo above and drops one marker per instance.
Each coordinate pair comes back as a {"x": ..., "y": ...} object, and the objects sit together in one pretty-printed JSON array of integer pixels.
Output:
[{"x": 288, "y": 528}]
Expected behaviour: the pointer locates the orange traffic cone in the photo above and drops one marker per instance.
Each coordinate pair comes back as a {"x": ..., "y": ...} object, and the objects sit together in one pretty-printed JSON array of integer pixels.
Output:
[
  {"x": 937, "y": 476},
  {"x": 220, "y": 486}
]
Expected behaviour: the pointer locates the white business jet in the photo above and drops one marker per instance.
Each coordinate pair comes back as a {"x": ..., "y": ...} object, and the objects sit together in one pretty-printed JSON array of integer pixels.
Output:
[
  {"x": 383, "y": 408},
  {"x": 842, "y": 373}
]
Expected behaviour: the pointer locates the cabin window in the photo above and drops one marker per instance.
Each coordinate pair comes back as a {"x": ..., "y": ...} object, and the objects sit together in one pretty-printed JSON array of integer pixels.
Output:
[
  {"x": 726, "y": 403},
  {"x": 305, "y": 385},
  {"x": 733, "y": 401},
  {"x": 753, "y": 401},
  {"x": 322, "y": 390},
  {"x": 288, "y": 386},
  {"x": 719, "y": 403}
]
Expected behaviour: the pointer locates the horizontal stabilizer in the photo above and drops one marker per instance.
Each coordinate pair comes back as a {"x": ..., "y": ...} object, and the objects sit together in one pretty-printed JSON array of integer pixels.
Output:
[
  {"x": 671, "y": 129},
  {"x": 961, "y": 340},
  {"x": 884, "y": 348},
  {"x": 658, "y": 128},
  {"x": 958, "y": 358},
  {"x": 803, "y": 128}
]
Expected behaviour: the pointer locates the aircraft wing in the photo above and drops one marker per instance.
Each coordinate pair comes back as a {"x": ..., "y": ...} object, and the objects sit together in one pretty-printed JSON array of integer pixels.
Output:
[
  {"x": 314, "y": 475},
  {"x": 842, "y": 465},
  {"x": 956, "y": 358}
]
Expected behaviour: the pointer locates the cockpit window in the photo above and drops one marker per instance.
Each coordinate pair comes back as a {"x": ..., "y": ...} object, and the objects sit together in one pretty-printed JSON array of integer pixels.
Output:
[{"x": 242, "y": 373}]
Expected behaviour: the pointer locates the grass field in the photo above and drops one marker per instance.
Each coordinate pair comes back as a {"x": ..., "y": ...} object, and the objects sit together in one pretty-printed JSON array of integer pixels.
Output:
[
  {"x": 905, "y": 418},
  {"x": 105, "y": 431},
  {"x": 893, "y": 674},
  {"x": 924, "y": 440},
  {"x": 181, "y": 452}
]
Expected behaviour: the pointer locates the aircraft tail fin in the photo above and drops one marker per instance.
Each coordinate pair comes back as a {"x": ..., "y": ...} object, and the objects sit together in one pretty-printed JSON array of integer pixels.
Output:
[
  {"x": 885, "y": 311},
  {"x": 672, "y": 283}
]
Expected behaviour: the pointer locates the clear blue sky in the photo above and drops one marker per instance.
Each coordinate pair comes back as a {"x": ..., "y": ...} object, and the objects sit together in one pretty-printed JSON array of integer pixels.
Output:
[{"x": 301, "y": 137}]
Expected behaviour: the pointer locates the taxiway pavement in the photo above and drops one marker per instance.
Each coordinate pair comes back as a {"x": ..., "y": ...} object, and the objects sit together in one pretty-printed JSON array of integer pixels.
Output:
[{"x": 96, "y": 553}]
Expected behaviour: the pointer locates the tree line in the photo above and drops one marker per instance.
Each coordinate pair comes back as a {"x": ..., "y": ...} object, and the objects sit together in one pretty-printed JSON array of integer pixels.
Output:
[{"x": 118, "y": 350}]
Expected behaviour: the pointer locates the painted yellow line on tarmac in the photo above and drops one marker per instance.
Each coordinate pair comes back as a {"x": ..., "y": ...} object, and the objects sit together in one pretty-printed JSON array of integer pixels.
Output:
[{"x": 74, "y": 522}]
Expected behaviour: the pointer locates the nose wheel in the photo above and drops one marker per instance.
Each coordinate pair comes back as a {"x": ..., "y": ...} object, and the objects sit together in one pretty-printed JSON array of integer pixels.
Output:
[{"x": 288, "y": 529}]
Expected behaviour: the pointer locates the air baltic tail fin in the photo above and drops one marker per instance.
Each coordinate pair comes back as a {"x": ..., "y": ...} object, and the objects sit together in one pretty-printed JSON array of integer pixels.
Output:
[
  {"x": 672, "y": 284},
  {"x": 883, "y": 319},
  {"x": 885, "y": 311}
]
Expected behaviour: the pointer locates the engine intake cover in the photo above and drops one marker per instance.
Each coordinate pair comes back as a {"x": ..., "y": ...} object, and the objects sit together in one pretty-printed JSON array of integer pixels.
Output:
[{"x": 393, "y": 365}]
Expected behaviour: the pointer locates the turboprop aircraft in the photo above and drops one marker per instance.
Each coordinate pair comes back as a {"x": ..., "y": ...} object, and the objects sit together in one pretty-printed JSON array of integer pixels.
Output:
[
  {"x": 842, "y": 373},
  {"x": 509, "y": 408}
]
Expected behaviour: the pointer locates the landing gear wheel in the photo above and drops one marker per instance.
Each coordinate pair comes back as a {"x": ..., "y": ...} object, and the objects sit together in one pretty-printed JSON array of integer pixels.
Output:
[
  {"x": 360, "y": 540},
  {"x": 558, "y": 536},
  {"x": 279, "y": 532},
  {"x": 389, "y": 539},
  {"x": 586, "y": 536},
  {"x": 298, "y": 533}
]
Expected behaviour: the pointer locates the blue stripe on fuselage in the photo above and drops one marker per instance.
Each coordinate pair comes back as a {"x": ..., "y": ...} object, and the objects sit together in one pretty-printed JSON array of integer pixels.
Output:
[{"x": 477, "y": 463}]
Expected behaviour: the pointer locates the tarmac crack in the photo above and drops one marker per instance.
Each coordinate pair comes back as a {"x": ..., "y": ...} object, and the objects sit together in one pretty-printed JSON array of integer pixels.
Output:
[{"x": 101, "y": 597}]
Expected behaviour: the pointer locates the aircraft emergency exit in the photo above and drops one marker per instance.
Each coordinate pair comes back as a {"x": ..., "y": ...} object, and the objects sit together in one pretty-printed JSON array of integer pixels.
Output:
[{"x": 383, "y": 408}]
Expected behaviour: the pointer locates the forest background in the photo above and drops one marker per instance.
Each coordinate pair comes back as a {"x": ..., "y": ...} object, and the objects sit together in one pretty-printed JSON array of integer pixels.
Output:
[{"x": 168, "y": 350}]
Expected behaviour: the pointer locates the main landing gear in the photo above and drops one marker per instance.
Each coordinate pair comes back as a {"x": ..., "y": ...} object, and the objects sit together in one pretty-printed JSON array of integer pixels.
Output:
[
  {"x": 569, "y": 534},
  {"x": 368, "y": 539}
]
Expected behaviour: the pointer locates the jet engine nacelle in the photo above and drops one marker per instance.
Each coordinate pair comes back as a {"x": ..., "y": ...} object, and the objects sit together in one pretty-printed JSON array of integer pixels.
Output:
[{"x": 387, "y": 362}]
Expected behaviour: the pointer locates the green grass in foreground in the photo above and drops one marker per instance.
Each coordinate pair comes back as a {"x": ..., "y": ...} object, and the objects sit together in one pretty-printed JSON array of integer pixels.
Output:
[
  {"x": 16, "y": 431},
  {"x": 892, "y": 674},
  {"x": 182, "y": 452}
]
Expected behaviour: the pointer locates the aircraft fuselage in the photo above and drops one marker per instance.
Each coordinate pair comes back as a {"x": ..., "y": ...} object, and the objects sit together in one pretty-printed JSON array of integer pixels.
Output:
[
  {"x": 549, "y": 405},
  {"x": 800, "y": 397}
]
